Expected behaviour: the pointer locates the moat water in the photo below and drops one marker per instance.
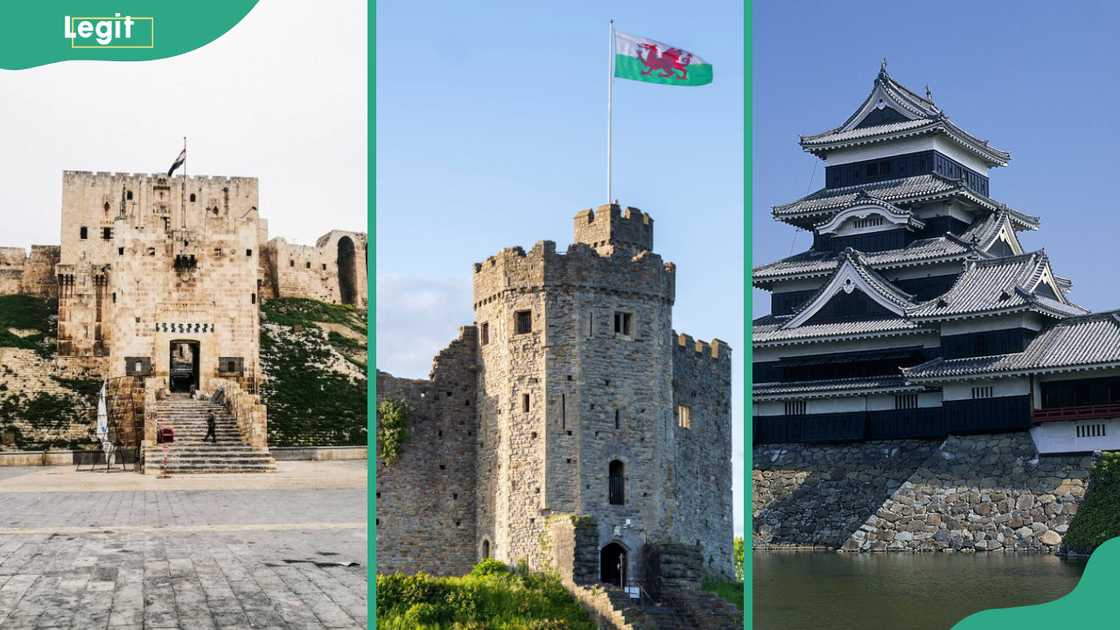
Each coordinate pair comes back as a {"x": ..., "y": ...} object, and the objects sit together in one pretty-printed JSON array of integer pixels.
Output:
[{"x": 814, "y": 590}]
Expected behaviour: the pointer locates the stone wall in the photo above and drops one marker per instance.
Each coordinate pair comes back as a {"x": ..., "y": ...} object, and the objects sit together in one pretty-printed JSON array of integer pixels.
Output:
[
  {"x": 29, "y": 274},
  {"x": 426, "y": 498},
  {"x": 701, "y": 503},
  {"x": 333, "y": 270},
  {"x": 247, "y": 410},
  {"x": 969, "y": 493}
]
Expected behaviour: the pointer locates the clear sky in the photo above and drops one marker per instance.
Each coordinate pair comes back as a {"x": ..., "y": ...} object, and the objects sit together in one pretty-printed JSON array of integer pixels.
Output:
[
  {"x": 491, "y": 132},
  {"x": 293, "y": 116},
  {"x": 1037, "y": 79}
]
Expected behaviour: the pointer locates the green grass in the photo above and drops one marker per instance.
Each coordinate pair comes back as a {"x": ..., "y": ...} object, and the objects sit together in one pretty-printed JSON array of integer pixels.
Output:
[
  {"x": 731, "y": 591},
  {"x": 492, "y": 597},
  {"x": 309, "y": 406},
  {"x": 304, "y": 312},
  {"x": 1098, "y": 518},
  {"x": 28, "y": 312}
]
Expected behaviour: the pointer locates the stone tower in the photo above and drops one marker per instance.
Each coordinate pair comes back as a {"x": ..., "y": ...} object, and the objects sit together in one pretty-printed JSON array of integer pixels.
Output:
[{"x": 575, "y": 385}]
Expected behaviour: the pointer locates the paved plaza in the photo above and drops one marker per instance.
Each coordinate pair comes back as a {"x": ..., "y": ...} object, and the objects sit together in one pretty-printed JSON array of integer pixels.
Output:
[{"x": 121, "y": 550}]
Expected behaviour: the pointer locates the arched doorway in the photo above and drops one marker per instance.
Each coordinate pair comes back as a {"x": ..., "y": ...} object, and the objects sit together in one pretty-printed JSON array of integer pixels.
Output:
[
  {"x": 183, "y": 368},
  {"x": 347, "y": 271},
  {"x": 612, "y": 565},
  {"x": 485, "y": 549}
]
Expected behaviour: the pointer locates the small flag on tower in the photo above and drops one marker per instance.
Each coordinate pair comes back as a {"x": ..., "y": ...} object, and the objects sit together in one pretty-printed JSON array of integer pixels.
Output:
[
  {"x": 178, "y": 161},
  {"x": 644, "y": 59}
]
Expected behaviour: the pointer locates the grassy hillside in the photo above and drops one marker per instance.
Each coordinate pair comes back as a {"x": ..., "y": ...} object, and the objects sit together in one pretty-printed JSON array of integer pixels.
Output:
[
  {"x": 39, "y": 408},
  {"x": 492, "y": 597},
  {"x": 1098, "y": 518},
  {"x": 313, "y": 356}
]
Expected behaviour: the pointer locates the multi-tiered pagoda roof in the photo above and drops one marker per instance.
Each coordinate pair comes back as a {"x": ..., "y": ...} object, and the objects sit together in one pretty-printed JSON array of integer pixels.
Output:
[{"x": 916, "y": 280}]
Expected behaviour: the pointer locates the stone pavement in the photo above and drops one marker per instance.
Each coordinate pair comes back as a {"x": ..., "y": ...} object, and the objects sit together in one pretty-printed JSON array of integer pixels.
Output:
[{"x": 221, "y": 551}]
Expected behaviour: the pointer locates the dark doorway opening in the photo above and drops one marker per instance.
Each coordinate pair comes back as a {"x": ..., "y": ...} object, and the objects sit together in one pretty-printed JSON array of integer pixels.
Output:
[
  {"x": 612, "y": 565},
  {"x": 485, "y": 549},
  {"x": 347, "y": 271},
  {"x": 183, "y": 374}
]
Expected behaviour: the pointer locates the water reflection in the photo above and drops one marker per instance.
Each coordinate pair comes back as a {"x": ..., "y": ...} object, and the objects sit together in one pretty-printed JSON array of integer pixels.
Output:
[{"x": 814, "y": 590}]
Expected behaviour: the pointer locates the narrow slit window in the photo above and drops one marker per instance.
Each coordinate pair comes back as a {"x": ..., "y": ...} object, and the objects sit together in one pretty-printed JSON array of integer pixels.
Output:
[
  {"x": 525, "y": 403},
  {"x": 796, "y": 407},
  {"x": 563, "y": 412},
  {"x": 684, "y": 416},
  {"x": 617, "y": 419},
  {"x": 484, "y": 333}
]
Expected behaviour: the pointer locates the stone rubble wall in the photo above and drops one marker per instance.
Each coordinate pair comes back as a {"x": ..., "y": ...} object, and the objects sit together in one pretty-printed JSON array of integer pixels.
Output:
[
  {"x": 247, "y": 410},
  {"x": 426, "y": 498},
  {"x": 29, "y": 274},
  {"x": 968, "y": 493}
]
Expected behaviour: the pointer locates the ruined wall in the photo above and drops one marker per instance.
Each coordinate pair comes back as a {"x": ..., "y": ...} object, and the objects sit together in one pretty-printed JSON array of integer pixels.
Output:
[
  {"x": 333, "y": 270},
  {"x": 426, "y": 498},
  {"x": 593, "y": 395},
  {"x": 29, "y": 274},
  {"x": 701, "y": 504},
  {"x": 969, "y": 493}
]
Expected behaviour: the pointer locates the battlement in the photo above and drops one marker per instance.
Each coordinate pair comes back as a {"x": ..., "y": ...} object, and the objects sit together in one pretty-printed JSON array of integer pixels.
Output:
[
  {"x": 111, "y": 175},
  {"x": 716, "y": 349},
  {"x": 611, "y": 228},
  {"x": 581, "y": 267}
]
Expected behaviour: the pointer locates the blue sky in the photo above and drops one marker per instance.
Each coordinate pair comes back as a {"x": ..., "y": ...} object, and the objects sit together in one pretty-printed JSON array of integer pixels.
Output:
[
  {"x": 491, "y": 132},
  {"x": 1036, "y": 79}
]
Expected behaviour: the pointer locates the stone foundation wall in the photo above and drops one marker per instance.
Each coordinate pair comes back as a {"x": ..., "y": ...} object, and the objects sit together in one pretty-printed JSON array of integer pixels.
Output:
[
  {"x": 969, "y": 493},
  {"x": 809, "y": 495}
]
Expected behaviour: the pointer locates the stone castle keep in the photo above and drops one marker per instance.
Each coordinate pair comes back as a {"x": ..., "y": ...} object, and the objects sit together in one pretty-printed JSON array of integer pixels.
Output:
[
  {"x": 569, "y": 426},
  {"x": 159, "y": 282}
]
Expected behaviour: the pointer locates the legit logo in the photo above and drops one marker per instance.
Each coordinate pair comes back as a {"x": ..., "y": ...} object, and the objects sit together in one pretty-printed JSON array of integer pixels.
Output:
[{"x": 110, "y": 32}]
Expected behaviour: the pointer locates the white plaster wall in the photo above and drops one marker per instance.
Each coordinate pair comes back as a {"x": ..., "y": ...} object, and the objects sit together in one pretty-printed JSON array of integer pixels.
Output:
[
  {"x": 1017, "y": 386},
  {"x": 1061, "y": 437}
]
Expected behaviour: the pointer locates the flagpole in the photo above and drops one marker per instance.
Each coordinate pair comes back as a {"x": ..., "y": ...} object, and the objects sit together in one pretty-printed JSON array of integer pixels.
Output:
[
  {"x": 610, "y": 103},
  {"x": 183, "y": 200}
]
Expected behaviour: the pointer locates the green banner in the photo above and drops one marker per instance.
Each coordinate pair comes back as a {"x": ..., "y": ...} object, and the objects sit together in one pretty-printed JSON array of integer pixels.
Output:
[{"x": 40, "y": 33}]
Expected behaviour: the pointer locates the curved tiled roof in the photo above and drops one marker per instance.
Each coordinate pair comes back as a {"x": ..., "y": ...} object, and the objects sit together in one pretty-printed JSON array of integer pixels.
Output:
[
  {"x": 831, "y": 388},
  {"x": 922, "y": 115},
  {"x": 997, "y": 285},
  {"x": 881, "y": 287},
  {"x": 825, "y": 202},
  {"x": 812, "y": 263},
  {"x": 775, "y": 335},
  {"x": 1073, "y": 344}
]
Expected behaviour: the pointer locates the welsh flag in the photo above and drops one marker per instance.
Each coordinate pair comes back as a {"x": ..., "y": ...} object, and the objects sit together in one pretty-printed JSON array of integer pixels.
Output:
[{"x": 644, "y": 59}]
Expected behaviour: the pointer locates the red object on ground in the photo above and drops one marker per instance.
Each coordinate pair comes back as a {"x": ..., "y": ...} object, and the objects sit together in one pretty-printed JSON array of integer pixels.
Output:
[{"x": 166, "y": 435}]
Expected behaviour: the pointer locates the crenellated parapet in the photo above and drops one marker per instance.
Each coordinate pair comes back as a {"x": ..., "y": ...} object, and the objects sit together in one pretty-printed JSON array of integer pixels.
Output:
[
  {"x": 612, "y": 229},
  {"x": 513, "y": 269}
]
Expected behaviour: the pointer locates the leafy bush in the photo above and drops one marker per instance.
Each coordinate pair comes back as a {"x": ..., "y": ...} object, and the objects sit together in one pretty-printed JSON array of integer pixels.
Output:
[
  {"x": 730, "y": 591},
  {"x": 29, "y": 313},
  {"x": 392, "y": 428},
  {"x": 737, "y": 558},
  {"x": 1098, "y": 518},
  {"x": 492, "y": 597}
]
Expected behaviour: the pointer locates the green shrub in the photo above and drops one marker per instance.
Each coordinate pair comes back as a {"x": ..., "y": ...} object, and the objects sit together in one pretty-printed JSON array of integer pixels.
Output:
[
  {"x": 492, "y": 597},
  {"x": 392, "y": 428},
  {"x": 1098, "y": 518},
  {"x": 730, "y": 591},
  {"x": 737, "y": 557}
]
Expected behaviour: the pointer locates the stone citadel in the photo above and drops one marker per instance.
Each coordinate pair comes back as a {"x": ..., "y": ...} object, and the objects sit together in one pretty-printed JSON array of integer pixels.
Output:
[
  {"x": 159, "y": 282},
  {"x": 569, "y": 426}
]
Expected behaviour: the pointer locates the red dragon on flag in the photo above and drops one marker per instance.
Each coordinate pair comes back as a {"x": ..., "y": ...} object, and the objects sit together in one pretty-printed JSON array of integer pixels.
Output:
[{"x": 667, "y": 62}]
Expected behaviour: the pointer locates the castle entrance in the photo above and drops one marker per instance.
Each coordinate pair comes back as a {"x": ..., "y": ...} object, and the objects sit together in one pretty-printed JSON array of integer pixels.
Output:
[
  {"x": 183, "y": 370},
  {"x": 347, "y": 271},
  {"x": 612, "y": 565}
]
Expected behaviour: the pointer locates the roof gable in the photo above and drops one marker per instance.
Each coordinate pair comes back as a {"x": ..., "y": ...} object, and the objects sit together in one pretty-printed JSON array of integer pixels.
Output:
[
  {"x": 854, "y": 274},
  {"x": 865, "y": 206}
]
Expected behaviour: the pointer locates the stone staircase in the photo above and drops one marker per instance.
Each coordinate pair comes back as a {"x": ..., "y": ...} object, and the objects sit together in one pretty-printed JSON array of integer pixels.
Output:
[{"x": 189, "y": 454}]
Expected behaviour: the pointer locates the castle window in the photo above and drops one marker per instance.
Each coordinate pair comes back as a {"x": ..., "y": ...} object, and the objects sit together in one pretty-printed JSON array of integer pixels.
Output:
[
  {"x": 590, "y": 323},
  {"x": 248, "y": 252},
  {"x": 308, "y": 265},
  {"x": 796, "y": 407},
  {"x": 128, "y": 195},
  {"x": 563, "y": 412},
  {"x": 617, "y": 419},
  {"x": 120, "y": 251},
  {"x": 525, "y": 403},
  {"x": 684, "y": 416},
  {"x": 192, "y": 197},
  {"x": 622, "y": 323},
  {"x": 982, "y": 392},
  {"x": 485, "y": 549},
  {"x": 106, "y": 206},
  {"x": 253, "y": 298},
  {"x": 906, "y": 401},
  {"x": 617, "y": 483},
  {"x": 484, "y": 333},
  {"x": 83, "y": 233},
  {"x": 291, "y": 263},
  {"x": 523, "y": 322},
  {"x": 1091, "y": 430},
  {"x": 324, "y": 266}
]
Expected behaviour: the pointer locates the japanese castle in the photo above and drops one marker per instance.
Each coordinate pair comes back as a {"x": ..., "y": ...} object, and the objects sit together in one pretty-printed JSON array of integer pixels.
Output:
[{"x": 917, "y": 313}]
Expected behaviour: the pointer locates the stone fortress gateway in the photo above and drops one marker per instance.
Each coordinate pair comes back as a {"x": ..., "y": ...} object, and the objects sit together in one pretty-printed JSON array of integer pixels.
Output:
[
  {"x": 916, "y": 319},
  {"x": 569, "y": 426},
  {"x": 159, "y": 282}
]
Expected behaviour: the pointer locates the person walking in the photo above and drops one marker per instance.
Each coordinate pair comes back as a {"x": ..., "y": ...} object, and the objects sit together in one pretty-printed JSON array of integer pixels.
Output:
[{"x": 210, "y": 424}]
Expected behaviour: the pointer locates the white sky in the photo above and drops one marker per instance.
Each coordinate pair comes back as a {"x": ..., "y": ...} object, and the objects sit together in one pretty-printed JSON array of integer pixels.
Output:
[{"x": 255, "y": 102}]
